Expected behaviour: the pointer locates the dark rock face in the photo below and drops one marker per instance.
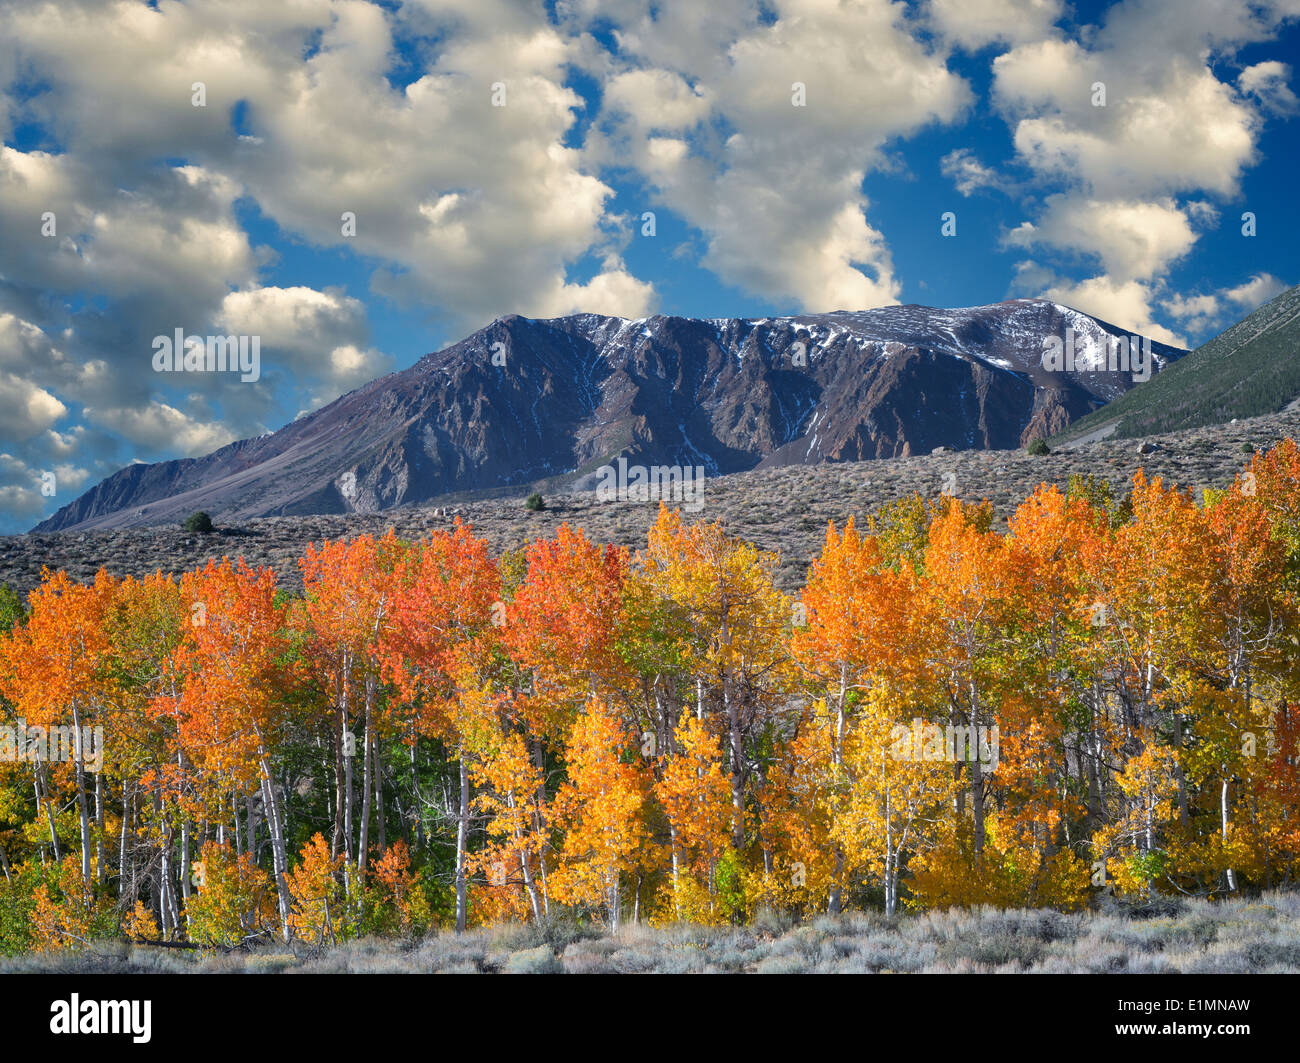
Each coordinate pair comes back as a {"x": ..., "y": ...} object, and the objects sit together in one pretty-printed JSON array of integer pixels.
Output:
[{"x": 578, "y": 392}]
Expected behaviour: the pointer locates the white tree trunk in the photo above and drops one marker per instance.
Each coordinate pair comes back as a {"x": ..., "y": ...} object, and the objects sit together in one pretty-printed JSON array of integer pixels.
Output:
[
  {"x": 1223, "y": 813},
  {"x": 462, "y": 839}
]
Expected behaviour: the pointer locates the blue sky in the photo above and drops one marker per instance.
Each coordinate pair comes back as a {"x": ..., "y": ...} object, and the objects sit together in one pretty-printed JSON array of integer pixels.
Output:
[{"x": 797, "y": 155}]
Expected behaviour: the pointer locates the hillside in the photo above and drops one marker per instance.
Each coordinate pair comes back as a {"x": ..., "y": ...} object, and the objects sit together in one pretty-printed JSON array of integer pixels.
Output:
[
  {"x": 783, "y": 509},
  {"x": 1250, "y": 369}
]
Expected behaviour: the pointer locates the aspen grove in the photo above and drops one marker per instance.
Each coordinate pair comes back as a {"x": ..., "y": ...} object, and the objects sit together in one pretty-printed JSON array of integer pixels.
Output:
[{"x": 431, "y": 736}]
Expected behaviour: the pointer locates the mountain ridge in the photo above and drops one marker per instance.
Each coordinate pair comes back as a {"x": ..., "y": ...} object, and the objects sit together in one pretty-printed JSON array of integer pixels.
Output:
[{"x": 527, "y": 401}]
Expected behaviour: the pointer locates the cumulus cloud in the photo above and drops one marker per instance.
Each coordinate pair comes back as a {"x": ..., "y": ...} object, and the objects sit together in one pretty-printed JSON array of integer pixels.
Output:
[
  {"x": 1196, "y": 308},
  {"x": 657, "y": 99},
  {"x": 1267, "y": 82},
  {"x": 490, "y": 221},
  {"x": 26, "y": 410},
  {"x": 976, "y": 23},
  {"x": 795, "y": 115},
  {"x": 298, "y": 318},
  {"x": 1123, "y": 303},
  {"x": 1255, "y": 292},
  {"x": 157, "y": 257},
  {"x": 1163, "y": 129},
  {"x": 1212, "y": 311},
  {"x": 968, "y": 174},
  {"x": 310, "y": 334},
  {"x": 159, "y": 426},
  {"x": 1137, "y": 136},
  {"x": 20, "y": 500},
  {"x": 25, "y": 489},
  {"x": 1134, "y": 239}
]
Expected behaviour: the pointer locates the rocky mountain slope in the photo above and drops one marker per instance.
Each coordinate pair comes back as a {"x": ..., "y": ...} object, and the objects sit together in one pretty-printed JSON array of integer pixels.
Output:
[{"x": 529, "y": 402}]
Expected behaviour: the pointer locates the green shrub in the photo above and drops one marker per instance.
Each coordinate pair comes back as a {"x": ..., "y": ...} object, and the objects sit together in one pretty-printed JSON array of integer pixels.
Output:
[
  {"x": 534, "y": 502},
  {"x": 200, "y": 522},
  {"x": 12, "y": 607},
  {"x": 1038, "y": 446},
  {"x": 16, "y": 907},
  {"x": 729, "y": 879}
]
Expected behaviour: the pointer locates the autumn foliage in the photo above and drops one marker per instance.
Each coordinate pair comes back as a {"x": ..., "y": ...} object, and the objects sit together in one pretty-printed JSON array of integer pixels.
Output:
[{"x": 1103, "y": 695}]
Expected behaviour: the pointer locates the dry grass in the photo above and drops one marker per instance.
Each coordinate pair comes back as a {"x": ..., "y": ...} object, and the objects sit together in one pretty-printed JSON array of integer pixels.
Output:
[{"x": 1247, "y": 936}]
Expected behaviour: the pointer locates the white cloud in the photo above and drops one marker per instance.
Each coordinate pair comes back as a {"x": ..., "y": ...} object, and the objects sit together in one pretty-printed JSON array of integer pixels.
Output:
[
  {"x": 1126, "y": 304},
  {"x": 21, "y": 494},
  {"x": 1193, "y": 307},
  {"x": 1255, "y": 292},
  {"x": 775, "y": 188},
  {"x": 1134, "y": 240},
  {"x": 613, "y": 291},
  {"x": 656, "y": 99},
  {"x": 968, "y": 174},
  {"x": 1267, "y": 82},
  {"x": 491, "y": 221},
  {"x": 21, "y": 502},
  {"x": 975, "y": 23},
  {"x": 298, "y": 319},
  {"x": 1135, "y": 168},
  {"x": 1211, "y": 312},
  {"x": 159, "y": 426},
  {"x": 26, "y": 410},
  {"x": 1172, "y": 128}
]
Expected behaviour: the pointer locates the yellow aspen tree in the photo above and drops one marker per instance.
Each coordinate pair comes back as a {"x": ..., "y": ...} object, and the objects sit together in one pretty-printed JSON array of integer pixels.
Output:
[
  {"x": 695, "y": 794},
  {"x": 511, "y": 800},
  {"x": 601, "y": 807},
  {"x": 894, "y": 799}
]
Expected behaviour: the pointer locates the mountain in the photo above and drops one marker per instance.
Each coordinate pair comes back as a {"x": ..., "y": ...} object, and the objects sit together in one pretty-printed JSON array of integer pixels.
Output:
[
  {"x": 1249, "y": 370},
  {"x": 575, "y": 393}
]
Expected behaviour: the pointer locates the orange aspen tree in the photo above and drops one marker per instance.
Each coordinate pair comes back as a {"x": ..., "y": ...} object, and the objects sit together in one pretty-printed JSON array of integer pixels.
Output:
[
  {"x": 962, "y": 605},
  {"x": 54, "y": 672},
  {"x": 857, "y": 613},
  {"x": 319, "y": 910},
  {"x": 512, "y": 799},
  {"x": 561, "y": 630},
  {"x": 148, "y": 759},
  {"x": 234, "y": 679},
  {"x": 441, "y": 655},
  {"x": 1045, "y": 692},
  {"x": 345, "y": 616},
  {"x": 562, "y": 625}
]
